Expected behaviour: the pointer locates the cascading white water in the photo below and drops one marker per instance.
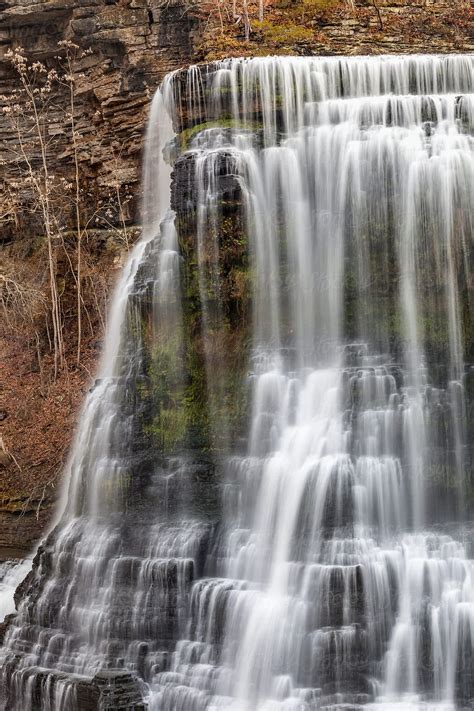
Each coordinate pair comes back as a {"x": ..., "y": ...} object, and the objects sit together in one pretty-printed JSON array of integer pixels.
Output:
[
  {"x": 331, "y": 580},
  {"x": 12, "y": 572}
]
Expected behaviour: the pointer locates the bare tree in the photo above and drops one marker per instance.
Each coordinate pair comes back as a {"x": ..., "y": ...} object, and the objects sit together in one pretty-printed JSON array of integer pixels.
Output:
[{"x": 33, "y": 97}]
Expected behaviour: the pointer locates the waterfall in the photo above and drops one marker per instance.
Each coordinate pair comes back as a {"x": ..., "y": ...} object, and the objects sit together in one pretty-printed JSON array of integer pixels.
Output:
[{"x": 268, "y": 500}]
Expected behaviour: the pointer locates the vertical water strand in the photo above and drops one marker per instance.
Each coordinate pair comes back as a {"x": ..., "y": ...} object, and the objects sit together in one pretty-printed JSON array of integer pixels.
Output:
[
  {"x": 413, "y": 418},
  {"x": 329, "y": 165},
  {"x": 453, "y": 185},
  {"x": 261, "y": 212},
  {"x": 450, "y": 234},
  {"x": 296, "y": 223},
  {"x": 195, "y": 95},
  {"x": 208, "y": 167},
  {"x": 166, "y": 353}
]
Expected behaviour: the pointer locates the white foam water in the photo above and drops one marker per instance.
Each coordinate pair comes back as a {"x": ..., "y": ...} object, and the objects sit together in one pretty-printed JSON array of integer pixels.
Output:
[{"x": 12, "y": 572}]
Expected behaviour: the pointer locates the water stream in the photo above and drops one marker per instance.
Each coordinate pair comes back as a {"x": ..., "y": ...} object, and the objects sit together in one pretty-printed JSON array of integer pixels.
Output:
[{"x": 336, "y": 569}]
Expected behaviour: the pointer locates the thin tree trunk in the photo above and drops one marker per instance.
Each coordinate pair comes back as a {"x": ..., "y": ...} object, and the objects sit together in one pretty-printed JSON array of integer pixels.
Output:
[
  {"x": 246, "y": 19},
  {"x": 78, "y": 217},
  {"x": 378, "y": 14}
]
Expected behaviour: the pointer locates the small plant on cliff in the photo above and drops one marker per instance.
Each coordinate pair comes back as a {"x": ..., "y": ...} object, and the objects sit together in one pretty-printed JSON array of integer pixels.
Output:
[
  {"x": 284, "y": 34},
  {"x": 312, "y": 8}
]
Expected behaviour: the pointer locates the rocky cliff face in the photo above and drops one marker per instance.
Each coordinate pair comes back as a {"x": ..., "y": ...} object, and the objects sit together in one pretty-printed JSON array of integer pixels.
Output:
[{"x": 133, "y": 44}]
